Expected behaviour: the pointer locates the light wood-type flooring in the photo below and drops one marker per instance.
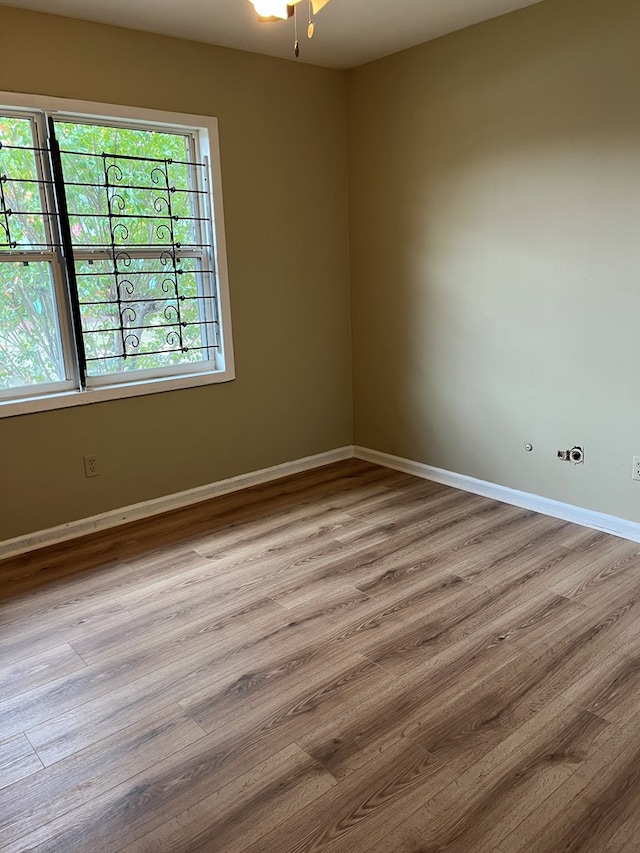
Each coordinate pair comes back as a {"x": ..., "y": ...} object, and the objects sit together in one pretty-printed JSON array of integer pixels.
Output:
[{"x": 350, "y": 660}]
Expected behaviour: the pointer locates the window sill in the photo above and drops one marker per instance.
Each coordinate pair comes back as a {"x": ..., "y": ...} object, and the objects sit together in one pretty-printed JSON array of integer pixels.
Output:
[{"x": 66, "y": 399}]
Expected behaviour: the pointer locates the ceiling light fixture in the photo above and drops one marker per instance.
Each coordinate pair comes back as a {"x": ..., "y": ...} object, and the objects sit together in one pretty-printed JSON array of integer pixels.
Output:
[
  {"x": 281, "y": 10},
  {"x": 272, "y": 9}
]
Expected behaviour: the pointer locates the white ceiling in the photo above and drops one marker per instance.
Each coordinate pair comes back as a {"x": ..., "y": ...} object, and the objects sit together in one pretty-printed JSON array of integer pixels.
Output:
[{"x": 348, "y": 32}]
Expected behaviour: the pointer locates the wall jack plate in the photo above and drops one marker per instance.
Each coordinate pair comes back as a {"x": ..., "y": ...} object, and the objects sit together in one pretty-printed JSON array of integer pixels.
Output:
[
  {"x": 635, "y": 474},
  {"x": 91, "y": 466}
]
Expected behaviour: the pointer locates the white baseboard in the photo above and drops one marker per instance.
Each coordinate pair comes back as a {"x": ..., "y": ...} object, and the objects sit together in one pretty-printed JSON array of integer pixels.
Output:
[
  {"x": 567, "y": 512},
  {"x": 113, "y": 518}
]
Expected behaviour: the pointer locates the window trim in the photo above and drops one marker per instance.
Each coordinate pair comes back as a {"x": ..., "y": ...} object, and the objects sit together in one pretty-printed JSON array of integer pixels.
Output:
[{"x": 206, "y": 127}]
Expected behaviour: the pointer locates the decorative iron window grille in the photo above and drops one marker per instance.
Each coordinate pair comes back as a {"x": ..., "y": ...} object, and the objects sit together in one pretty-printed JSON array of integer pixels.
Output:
[{"x": 125, "y": 233}]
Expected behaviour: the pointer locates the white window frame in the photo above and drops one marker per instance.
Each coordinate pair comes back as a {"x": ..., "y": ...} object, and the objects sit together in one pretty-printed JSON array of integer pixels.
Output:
[{"x": 206, "y": 129}]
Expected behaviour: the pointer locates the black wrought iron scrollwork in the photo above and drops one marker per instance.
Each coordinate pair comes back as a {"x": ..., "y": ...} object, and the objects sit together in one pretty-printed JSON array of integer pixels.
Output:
[
  {"x": 119, "y": 233},
  {"x": 116, "y": 201},
  {"x": 160, "y": 204},
  {"x": 163, "y": 218},
  {"x": 164, "y": 233},
  {"x": 129, "y": 315},
  {"x": 171, "y": 313},
  {"x": 158, "y": 175},
  {"x": 113, "y": 172},
  {"x": 174, "y": 339},
  {"x": 123, "y": 258},
  {"x": 148, "y": 289},
  {"x": 132, "y": 340}
]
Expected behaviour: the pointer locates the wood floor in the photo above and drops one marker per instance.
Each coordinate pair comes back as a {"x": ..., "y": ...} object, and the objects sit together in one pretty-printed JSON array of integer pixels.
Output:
[{"x": 347, "y": 661}]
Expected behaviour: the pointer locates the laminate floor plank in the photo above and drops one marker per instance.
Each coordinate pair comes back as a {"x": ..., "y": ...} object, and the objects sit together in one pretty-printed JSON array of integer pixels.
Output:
[
  {"x": 69, "y": 732},
  {"x": 492, "y": 710},
  {"x": 495, "y": 795},
  {"x": 477, "y": 816},
  {"x": 471, "y": 702},
  {"x": 433, "y": 531},
  {"x": 132, "y": 663},
  {"x": 184, "y": 619},
  {"x": 382, "y": 507},
  {"x": 377, "y": 617},
  {"x": 349, "y": 660},
  {"x": 148, "y": 800},
  {"x": 625, "y": 837},
  {"x": 505, "y": 611},
  {"x": 254, "y": 536},
  {"x": 340, "y": 680},
  {"x": 39, "y": 669},
  {"x": 616, "y": 696},
  {"x": 413, "y": 833},
  {"x": 496, "y": 563},
  {"x": 142, "y": 680},
  {"x": 290, "y": 538},
  {"x": 517, "y": 690},
  {"x": 395, "y": 509},
  {"x": 406, "y": 708},
  {"x": 17, "y": 760},
  {"x": 441, "y": 548},
  {"x": 585, "y": 539},
  {"x": 56, "y": 601},
  {"x": 584, "y": 813},
  {"x": 243, "y": 811},
  {"x": 279, "y": 568},
  {"x": 361, "y": 809},
  {"x": 612, "y": 566},
  {"x": 137, "y": 578},
  {"x": 33, "y": 636},
  {"x": 72, "y": 782},
  {"x": 402, "y": 552},
  {"x": 402, "y": 548},
  {"x": 292, "y": 585},
  {"x": 206, "y": 677}
]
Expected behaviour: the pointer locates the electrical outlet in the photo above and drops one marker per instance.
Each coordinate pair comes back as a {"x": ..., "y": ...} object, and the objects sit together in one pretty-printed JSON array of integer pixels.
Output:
[
  {"x": 635, "y": 474},
  {"x": 91, "y": 466}
]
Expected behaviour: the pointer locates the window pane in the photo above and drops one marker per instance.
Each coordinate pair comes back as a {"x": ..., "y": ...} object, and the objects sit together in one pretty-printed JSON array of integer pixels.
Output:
[
  {"x": 144, "y": 318},
  {"x": 131, "y": 196},
  {"x": 21, "y": 211},
  {"x": 122, "y": 191},
  {"x": 30, "y": 346}
]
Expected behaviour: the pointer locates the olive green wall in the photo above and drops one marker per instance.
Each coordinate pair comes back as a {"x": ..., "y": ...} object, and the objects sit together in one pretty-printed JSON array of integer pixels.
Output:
[
  {"x": 283, "y": 150},
  {"x": 495, "y": 251}
]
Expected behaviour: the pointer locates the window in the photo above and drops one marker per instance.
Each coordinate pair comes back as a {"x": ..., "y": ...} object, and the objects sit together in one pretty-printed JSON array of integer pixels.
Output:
[{"x": 112, "y": 263}]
